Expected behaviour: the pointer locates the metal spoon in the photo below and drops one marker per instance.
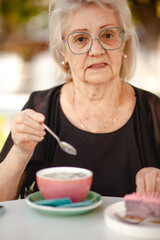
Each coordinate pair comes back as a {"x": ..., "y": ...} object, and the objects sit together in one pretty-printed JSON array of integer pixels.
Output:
[
  {"x": 136, "y": 221},
  {"x": 63, "y": 145}
]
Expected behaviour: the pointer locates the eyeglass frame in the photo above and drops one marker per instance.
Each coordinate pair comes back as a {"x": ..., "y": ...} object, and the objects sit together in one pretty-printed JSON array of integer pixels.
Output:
[{"x": 96, "y": 37}]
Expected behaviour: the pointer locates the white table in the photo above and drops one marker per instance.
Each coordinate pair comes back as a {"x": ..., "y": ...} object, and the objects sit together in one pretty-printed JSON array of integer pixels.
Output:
[{"x": 21, "y": 222}]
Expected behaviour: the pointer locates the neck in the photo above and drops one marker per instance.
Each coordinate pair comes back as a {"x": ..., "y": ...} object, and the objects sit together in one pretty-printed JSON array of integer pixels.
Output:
[
  {"x": 98, "y": 93},
  {"x": 109, "y": 113}
]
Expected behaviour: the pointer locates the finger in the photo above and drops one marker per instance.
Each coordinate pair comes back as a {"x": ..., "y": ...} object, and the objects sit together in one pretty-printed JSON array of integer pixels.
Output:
[
  {"x": 140, "y": 184},
  {"x": 157, "y": 184},
  {"x": 22, "y": 138},
  {"x": 150, "y": 181},
  {"x": 38, "y": 117},
  {"x": 23, "y": 128},
  {"x": 29, "y": 114},
  {"x": 26, "y": 118}
]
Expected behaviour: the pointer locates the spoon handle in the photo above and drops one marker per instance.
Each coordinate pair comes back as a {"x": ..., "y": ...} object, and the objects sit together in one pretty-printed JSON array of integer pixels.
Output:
[
  {"x": 136, "y": 221},
  {"x": 51, "y": 132},
  {"x": 63, "y": 145}
]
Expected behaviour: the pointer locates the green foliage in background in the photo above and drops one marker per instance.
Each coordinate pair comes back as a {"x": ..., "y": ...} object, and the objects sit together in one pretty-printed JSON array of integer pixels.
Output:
[
  {"x": 146, "y": 15},
  {"x": 16, "y": 12},
  {"x": 4, "y": 129}
]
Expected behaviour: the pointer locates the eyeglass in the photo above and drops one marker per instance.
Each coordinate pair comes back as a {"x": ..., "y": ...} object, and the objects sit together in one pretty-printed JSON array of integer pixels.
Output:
[{"x": 109, "y": 39}]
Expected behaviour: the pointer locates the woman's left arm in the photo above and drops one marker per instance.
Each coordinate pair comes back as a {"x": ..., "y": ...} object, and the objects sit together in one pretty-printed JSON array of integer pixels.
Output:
[{"x": 148, "y": 180}]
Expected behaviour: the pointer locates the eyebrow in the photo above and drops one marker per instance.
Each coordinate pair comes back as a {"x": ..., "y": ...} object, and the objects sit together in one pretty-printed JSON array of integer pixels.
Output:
[
  {"x": 86, "y": 29},
  {"x": 108, "y": 25},
  {"x": 80, "y": 30}
]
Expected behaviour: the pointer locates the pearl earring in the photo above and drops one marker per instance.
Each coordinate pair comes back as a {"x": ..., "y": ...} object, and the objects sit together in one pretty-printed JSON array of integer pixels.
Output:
[
  {"x": 125, "y": 56},
  {"x": 65, "y": 64}
]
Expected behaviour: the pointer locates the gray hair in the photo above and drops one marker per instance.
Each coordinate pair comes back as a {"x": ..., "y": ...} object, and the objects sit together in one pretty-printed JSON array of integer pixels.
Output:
[{"x": 59, "y": 10}]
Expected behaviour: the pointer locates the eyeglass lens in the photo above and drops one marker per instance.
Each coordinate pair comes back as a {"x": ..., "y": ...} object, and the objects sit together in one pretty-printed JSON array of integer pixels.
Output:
[{"x": 110, "y": 39}]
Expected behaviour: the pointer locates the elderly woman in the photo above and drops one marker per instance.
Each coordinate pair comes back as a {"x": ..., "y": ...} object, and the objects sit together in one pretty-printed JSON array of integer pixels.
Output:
[{"x": 114, "y": 126}]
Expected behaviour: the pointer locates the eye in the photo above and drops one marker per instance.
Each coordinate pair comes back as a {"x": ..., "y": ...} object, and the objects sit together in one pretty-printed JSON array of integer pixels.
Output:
[
  {"x": 80, "y": 39},
  {"x": 108, "y": 35}
]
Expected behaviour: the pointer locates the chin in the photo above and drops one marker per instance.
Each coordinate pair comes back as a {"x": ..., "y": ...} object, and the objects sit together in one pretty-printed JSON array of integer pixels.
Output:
[{"x": 98, "y": 79}]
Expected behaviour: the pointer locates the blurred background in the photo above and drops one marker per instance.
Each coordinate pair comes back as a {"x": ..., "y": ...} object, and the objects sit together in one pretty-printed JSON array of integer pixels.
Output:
[{"x": 26, "y": 64}]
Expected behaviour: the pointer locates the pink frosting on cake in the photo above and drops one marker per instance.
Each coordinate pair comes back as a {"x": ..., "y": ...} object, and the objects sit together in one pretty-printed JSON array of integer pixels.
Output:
[{"x": 146, "y": 197}]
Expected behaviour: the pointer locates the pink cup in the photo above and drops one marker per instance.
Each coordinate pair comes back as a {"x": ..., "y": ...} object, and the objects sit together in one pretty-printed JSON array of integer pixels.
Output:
[{"x": 62, "y": 182}]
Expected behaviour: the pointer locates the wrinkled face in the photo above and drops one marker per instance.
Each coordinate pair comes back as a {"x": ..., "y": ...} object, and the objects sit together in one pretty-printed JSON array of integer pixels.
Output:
[{"x": 97, "y": 65}]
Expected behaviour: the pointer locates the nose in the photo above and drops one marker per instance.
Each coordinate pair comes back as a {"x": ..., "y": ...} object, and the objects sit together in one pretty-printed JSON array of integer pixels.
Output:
[{"x": 96, "y": 48}]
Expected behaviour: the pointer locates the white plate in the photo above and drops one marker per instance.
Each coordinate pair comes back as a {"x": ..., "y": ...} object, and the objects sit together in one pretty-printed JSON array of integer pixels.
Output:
[
  {"x": 143, "y": 230},
  {"x": 92, "y": 196}
]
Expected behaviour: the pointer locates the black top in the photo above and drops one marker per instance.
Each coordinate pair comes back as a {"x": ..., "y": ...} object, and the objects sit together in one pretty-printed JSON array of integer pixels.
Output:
[{"x": 114, "y": 158}]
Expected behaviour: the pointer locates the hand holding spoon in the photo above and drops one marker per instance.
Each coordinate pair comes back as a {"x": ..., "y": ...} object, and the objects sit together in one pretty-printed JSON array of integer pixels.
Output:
[{"x": 68, "y": 148}]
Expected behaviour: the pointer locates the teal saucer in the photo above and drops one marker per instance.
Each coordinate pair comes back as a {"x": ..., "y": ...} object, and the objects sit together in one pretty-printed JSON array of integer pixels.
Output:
[{"x": 64, "y": 211}]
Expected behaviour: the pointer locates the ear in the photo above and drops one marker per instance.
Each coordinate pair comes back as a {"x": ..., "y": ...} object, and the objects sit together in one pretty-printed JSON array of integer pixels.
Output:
[
  {"x": 62, "y": 51},
  {"x": 124, "y": 49},
  {"x": 124, "y": 45}
]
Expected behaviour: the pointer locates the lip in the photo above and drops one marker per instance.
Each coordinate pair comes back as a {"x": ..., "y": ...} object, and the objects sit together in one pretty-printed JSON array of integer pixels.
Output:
[{"x": 99, "y": 65}]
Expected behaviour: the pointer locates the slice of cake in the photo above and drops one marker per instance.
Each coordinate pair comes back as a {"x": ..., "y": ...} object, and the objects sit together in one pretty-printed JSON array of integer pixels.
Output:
[{"x": 142, "y": 205}]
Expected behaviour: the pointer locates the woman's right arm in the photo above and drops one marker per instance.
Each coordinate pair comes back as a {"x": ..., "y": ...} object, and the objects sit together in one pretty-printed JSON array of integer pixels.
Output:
[{"x": 26, "y": 132}]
